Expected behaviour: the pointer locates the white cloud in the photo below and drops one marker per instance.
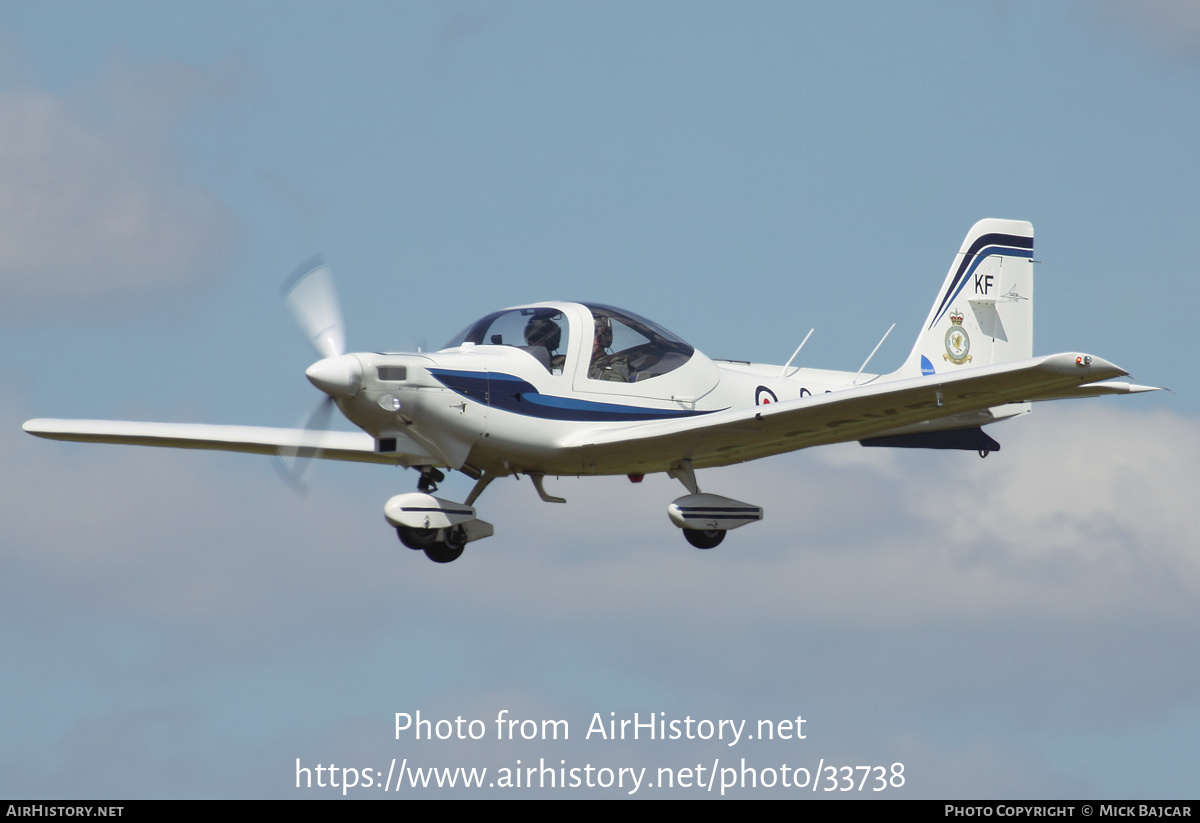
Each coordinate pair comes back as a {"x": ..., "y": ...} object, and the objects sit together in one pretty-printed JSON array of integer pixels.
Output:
[
  {"x": 1170, "y": 24},
  {"x": 91, "y": 203}
]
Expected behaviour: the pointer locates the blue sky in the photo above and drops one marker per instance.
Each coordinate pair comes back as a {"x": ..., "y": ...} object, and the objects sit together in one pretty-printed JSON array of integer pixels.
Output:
[{"x": 183, "y": 625}]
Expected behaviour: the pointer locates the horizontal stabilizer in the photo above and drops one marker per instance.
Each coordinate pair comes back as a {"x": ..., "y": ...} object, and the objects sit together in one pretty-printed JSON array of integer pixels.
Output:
[{"x": 1098, "y": 390}]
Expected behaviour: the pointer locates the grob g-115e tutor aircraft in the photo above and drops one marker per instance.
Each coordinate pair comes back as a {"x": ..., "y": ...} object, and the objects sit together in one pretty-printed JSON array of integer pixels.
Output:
[{"x": 588, "y": 389}]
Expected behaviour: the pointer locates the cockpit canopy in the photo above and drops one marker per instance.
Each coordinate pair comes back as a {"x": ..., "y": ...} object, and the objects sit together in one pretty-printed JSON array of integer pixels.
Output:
[
  {"x": 631, "y": 349},
  {"x": 624, "y": 347},
  {"x": 542, "y": 332}
]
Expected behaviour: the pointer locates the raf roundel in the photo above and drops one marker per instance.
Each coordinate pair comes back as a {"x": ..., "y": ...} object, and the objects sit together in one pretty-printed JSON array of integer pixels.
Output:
[{"x": 764, "y": 396}]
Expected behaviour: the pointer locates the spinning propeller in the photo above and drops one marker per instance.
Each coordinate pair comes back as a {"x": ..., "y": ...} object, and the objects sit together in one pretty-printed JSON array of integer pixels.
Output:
[{"x": 311, "y": 297}]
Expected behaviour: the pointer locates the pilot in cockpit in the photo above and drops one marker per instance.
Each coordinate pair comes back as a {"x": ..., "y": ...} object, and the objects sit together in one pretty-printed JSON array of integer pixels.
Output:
[{"x": 604, "y": 364}]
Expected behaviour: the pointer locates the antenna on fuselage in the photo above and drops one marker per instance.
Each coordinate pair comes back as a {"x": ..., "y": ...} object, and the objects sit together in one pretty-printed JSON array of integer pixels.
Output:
[
  {"x": 872, "y": 354},
  {"x": 796, "y": 352}
]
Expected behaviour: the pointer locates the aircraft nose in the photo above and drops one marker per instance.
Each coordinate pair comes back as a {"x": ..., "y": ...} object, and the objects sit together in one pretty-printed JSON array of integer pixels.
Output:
[{"x": 337, "y": 376}]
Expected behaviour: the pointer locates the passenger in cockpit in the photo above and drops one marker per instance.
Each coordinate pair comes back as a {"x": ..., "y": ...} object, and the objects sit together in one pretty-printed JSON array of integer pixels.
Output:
[{"x": 543, "y": 336}]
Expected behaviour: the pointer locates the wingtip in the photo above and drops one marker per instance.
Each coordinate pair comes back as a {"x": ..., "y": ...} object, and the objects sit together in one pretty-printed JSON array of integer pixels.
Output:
[{"x": 35, "y": 426}]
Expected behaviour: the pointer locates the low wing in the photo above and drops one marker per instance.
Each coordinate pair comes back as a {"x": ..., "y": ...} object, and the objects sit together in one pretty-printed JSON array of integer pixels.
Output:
[
  {"x": 857, "y": 413},
  {"x": 353, "y": 446}
]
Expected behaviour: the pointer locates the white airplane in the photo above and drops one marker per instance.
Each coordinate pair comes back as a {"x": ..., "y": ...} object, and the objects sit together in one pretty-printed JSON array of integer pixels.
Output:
[{"x": 587, "y": 389}]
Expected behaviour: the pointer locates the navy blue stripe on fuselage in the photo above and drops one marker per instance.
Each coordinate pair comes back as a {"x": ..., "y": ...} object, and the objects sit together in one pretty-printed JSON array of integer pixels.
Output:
[
  {"x": 506, "y": 392},
  {"x": 1006, "y": 245}
]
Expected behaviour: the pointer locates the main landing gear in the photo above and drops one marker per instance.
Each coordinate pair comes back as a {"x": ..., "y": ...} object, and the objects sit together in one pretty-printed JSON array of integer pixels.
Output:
[
  {"x": 704, "y": 538},
  {"x": 705, "y": 518}
]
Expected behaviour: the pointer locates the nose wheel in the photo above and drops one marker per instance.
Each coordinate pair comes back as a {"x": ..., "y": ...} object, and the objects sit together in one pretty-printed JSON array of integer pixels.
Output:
[
  {"x": 439, "y": 545},
  {"x": 450, "y": 547},
  {"x": 417, "y": 539}
]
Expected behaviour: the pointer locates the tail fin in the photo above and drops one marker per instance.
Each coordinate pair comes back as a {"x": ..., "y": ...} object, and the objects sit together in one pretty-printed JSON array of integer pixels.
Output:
[{"x": 984, "y": 311}]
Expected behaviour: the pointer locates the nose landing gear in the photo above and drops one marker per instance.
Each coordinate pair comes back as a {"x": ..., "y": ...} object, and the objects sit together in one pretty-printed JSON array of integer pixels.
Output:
[
  {"x": 450, "y": 547},
  {"x": 440, "y": 528},
  {"x": 430, "y": 477}
]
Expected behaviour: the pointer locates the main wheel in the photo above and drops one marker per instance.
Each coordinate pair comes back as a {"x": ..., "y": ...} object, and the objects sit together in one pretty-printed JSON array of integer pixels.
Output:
[
  {"x": 704, "y": 538},
  {"x": 418, "y": 539}
]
